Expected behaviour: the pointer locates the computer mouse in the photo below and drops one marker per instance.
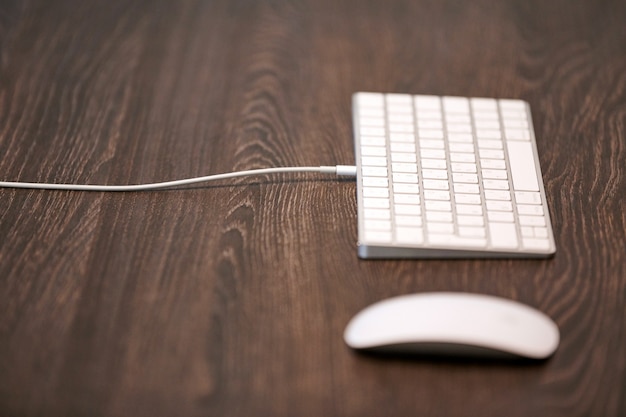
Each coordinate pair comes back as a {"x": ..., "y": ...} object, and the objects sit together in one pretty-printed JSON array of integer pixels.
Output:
[{"x": 446, "y": 323}]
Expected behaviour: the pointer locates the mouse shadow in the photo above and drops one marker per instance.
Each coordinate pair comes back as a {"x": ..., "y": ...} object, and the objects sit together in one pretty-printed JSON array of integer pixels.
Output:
[{"x": 474, "y": 356}]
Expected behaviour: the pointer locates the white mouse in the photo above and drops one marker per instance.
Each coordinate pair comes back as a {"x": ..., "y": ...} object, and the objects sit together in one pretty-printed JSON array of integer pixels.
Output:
[{"x": 454, "y": 323}]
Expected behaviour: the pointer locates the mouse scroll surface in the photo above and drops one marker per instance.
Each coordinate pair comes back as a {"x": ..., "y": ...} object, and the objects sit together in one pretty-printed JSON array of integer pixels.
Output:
[{"x": 454, "y": 323}]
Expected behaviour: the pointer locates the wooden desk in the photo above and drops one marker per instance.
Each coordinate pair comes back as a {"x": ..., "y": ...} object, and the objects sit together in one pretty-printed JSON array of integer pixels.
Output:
[{"x": 230, "y": 299}]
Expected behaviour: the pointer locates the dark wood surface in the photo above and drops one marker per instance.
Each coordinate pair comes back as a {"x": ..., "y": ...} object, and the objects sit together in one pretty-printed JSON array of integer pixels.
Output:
[{"x": 230, "y": 299}]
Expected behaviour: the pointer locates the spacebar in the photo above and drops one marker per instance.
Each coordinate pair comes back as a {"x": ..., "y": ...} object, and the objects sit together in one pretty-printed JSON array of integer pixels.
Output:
[{"x": 522, "y": 163}]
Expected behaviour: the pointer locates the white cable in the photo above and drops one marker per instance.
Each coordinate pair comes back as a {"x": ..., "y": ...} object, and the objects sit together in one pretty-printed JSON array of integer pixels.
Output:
[{"x": 345, "y": 170}]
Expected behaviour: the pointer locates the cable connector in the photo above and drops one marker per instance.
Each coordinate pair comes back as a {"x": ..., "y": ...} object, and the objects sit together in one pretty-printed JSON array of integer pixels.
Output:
[
  {"x": 339, "y": 170},
  {"x": 346, "y": 170}
]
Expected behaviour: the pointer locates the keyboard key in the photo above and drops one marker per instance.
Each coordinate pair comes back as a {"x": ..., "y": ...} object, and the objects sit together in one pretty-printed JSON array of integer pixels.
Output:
[
  {"x": 452, "y": 118},
  {"x": 377, "y": 224},
  {"x": 484, "y": 134},
  {"x": 462, "y": 157},
  {"x": 522, "y": 162},
  {"x": 494, "y": 174},
  {"x": 495, "y": 184},
  {"x": 406, "y": 188},
  {"x": 455, "y": 104},
  {"x": 496, "y": 205},
  {"x": 377, "y": 236},
  {"x": 430, "y": 134},
  {"x": 372, "y": 131},
  {"x": 378, "y": 192},
  {"x": 497, "y": 195},
  {"x": 431, "y": 124},
  {"x": 467, "y": 198},
  {"x": 464, "y": 177},
  {"x": 376, "y": 112},
  {"x": 426, "y": 114},
  {"x": 404, "y": 178},
  {"x": 529, "y": 243},
  {"x": 373, "y": 141},
  {"x": 517, "y": 134},
  {"x": 403, "y": 157},
  {"x": 410, "y": 235},
  {"x": 402, "y": 99},
  {"x": 453, "y": 108},
  {"x": 405, "y": 209},
  {"x": 437, "y": 195},
  {"x": 467, "y": 231},
  {"x": 503, "y": 235},
  {"x": 379, "y": 161},
  {"x": 491, "y": 153},
  {"x": 408, "y": 220},
  {"x": 438, "y": 174},
  {"x": 466, "y": 188},
  {"x": 459, "y": 128},
  {"x": 500, "y": 216},
  {"x": 488, "y": 124},
  {"x": 463, "y": 167},
  {"x": 401, "y": 137},
  {"x": 375, "y": 182},
  {"x": 437, "y": 205},
  {"x": 375, "y": 202},
  {"x": 427, "y": 102},
  {"x": 438, "y": 216},
  {"x": 493, "y": 163},
  {"x": 479, "y": 103},
  {"x": 401, "y": 128},
  {"x": 376, "y": 214},
  {"x": 373, "y": 171},
  {"x": 465, "y": 220},
  {"x": 373, "y": 151},
  {"x": 523, "y": 197},
  {"x": 431, "y": 144},
  {"x": 469, "y": 209},
  {"x": 532, "y": 220},
  {"x": 370, "y": 99},
  {"x": 435, "y": 184},
  {"x": 402, "y": 147},
  {"x": 460, "y": 137},
  {"x": 480, "y": 115},
  {"x": 413, "y": 199},
  {"x": 372, "y": 121},
  {"x": 461, "y": 147},
  {"x": 513, "y": 114},
  {"x": 489, "y": 144},
  {"x": 530, "y": 210},
  {"x": 395, "y": 118},
  {"x": 432, "y": 154},
  {"x": 434, "y": 163},
  {"x": 403, "y": 167},
  {"x": 399, "y": 108},
  {"x": 516, "y": 124},
  {"x": 440, "y": 228}
]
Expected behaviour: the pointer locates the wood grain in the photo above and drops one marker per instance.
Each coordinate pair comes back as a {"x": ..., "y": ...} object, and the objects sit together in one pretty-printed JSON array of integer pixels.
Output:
[{"x": 231, "y": 298}]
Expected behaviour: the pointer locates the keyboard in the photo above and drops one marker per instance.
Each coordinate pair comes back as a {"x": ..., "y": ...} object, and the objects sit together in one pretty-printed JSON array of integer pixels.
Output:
[{"x": 448, "y": 177}]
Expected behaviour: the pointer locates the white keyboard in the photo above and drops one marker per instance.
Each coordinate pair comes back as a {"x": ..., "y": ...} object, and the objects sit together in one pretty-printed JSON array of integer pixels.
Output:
[{"x": 448, "y": 177}]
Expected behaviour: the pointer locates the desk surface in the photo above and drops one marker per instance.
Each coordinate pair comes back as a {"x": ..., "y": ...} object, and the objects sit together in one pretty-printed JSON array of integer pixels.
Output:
[{"x": 230, "y": 299}]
